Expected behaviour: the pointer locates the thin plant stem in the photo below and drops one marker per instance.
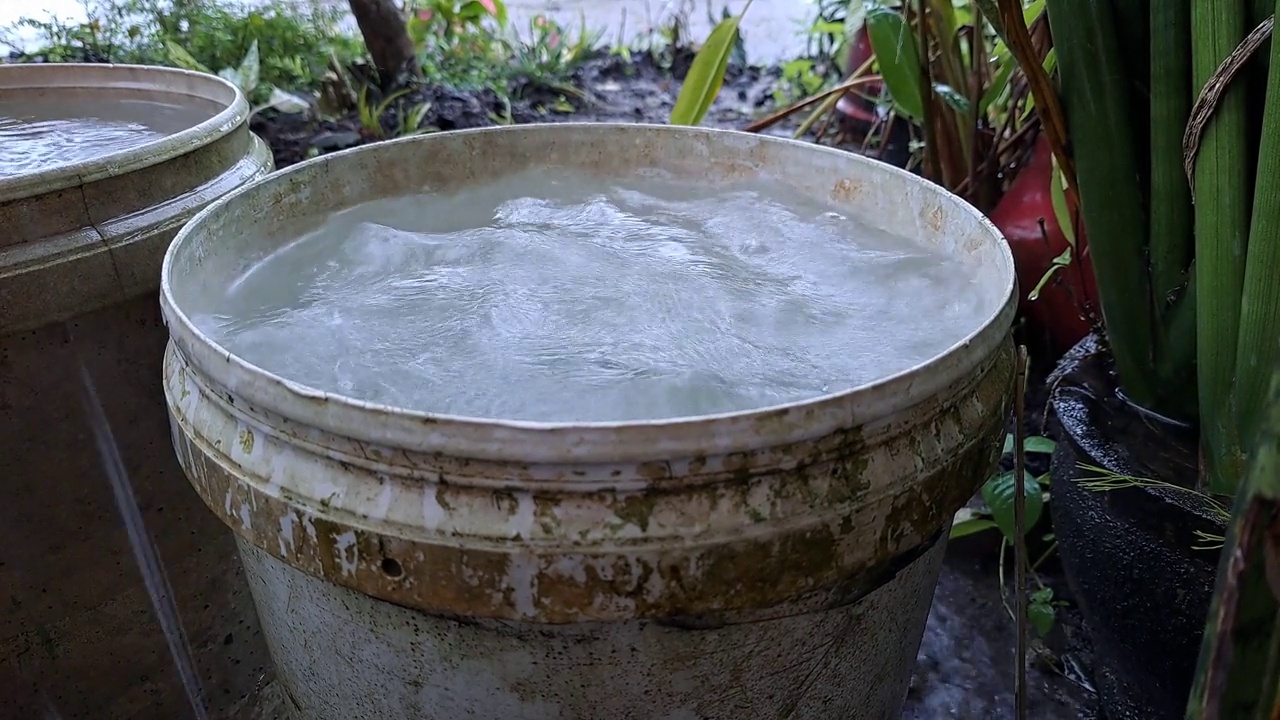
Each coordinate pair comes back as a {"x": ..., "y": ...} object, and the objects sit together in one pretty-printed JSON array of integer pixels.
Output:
[{"x": 1020, "y": 529}]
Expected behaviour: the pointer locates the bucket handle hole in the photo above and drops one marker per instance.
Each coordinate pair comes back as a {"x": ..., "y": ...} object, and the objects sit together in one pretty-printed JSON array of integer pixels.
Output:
[{"x": 392, "y": 568}]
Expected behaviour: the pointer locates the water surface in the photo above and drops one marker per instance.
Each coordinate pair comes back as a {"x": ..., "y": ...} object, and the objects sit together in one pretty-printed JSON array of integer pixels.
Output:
[
  {"x": 42, "y": 132},
  {"x": 555, "y": 296}
]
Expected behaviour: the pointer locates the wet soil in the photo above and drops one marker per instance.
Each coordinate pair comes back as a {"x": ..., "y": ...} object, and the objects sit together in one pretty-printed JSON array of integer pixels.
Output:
[{"x": 607, "y": 88}]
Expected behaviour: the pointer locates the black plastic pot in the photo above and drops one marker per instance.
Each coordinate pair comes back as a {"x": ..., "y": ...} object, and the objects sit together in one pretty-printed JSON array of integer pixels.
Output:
[{"x": 1129, "y": 554}]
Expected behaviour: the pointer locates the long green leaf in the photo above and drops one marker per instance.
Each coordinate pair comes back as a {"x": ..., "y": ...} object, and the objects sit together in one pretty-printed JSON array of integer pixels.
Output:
[
  {"x": 1097, "y": 99},
  {"x": 1171, "y": 214},
  {"x": 1238, "y": 677},
  {"x": 894, "y": 45},
  {"x": 1221, "y": 237},
  {"x": 991, "y": 11},
  {"x": 1258, "y": 348},
  {"x": 706, "y": 74},
  {"x": 999, "y": 84},
  {"x": 179, "y": 56},
  {"x": 249, "y": 71}
]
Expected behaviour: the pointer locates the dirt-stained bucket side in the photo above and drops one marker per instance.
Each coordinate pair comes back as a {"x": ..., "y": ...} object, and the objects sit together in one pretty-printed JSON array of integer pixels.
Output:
[
  {"x": 569, "y": 543},
  {"x": 605, "y": 543}
]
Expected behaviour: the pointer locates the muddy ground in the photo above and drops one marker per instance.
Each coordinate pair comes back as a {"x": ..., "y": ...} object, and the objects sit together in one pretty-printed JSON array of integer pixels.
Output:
[{"x": 610, "y": 88}]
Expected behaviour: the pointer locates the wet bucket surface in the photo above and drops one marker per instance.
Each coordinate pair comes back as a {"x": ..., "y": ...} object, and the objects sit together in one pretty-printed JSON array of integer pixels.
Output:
[
  {"x": 125, "y": 598},
  {"x": 409, "y": 565}
]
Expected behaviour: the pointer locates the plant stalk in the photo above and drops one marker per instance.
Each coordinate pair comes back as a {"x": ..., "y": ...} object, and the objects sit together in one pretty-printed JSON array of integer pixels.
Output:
[
  {"x": 1258, "y": 348},
  {"x": 1237, "y": 677},
  {"x": 1098, "y": 105},
  {"x": 1221, "y": 238},
  {"x": 1172, "y": 241}
]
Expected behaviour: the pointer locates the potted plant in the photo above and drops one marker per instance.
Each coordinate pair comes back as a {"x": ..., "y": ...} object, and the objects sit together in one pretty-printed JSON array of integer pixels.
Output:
[
  {"x": 966, "y": 120},
  {"x": 1153, "y": 415}
]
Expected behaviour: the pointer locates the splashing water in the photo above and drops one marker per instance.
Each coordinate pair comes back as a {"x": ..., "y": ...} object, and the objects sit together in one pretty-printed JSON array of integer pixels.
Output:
[
  {"x": 144, "y": 551},
  {"x": 551, "y": 296},
  {"x": 42, "y": 133}
]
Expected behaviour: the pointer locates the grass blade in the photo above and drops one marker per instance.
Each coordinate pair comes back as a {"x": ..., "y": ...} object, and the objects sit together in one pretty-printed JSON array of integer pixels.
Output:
[{"x": 706, "y": 75}]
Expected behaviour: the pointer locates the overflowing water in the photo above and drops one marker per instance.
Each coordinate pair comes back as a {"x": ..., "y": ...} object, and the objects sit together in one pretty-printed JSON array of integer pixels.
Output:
[
  {"x": 41, "y": 133},
  {"x": 558, "y": 297}
]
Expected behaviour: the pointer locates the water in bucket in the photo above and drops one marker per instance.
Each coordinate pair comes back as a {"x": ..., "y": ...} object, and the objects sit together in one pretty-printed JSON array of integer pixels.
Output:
[{"x": 551, "y": 296}]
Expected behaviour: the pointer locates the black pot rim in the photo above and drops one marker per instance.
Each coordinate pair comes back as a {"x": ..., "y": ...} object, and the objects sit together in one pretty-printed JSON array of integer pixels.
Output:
[{"x": 1083, "y": 393}]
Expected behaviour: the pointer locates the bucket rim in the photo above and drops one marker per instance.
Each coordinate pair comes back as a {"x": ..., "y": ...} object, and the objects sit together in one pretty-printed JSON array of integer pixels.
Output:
[{"x": 608, "y": 441}]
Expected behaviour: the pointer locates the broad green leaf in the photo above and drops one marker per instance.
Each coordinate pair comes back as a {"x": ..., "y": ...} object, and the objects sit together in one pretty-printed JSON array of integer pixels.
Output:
[
  {"x": 1030, "y": 444},
  {"x": 706, "y": 74},
  {"x": 855, "y": 17},
  {"x": 1038, "y": 444},
  {"x": 179, "y": 56},
  {"x": 972, "y": 526},
  {"x": 894, "y": 46},
  {"x": 247, "y": 75},
  {"x": 287, "y": 102},
  {"x": 1040, "y": 612},
  {"x": 968, "y": 522},
  {"x": 999, "y": 495}
]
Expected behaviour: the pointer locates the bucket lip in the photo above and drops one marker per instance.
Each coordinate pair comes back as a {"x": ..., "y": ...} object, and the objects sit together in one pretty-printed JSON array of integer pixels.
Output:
[
  {"x": 540, "y": 441},
  {"x": 54, "y": 76}
]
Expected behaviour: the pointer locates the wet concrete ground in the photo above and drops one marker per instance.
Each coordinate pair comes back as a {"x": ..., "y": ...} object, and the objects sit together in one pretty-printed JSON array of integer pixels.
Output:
[{"x": 965, "y": 668}]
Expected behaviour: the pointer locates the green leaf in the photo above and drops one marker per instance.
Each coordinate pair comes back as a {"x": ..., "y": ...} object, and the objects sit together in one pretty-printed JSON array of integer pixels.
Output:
[
  {"x": 1063, "y": 260},
  {"x": 249, "y": 72},
  {"x": 953, "y": 97},
  {"x": 972, "y": 526},
  {"x": 894, "y": 46},
  {"x": 1058, "y": 196},
  {"x": 287, "y": 102},
  {"x": 180, "y": 58},
  {"x": 998, "y": 85},
  {"x": 999, "y": 495},
  {"x": 969, "y": 522},
  {"x": 1040, "y": 612},
  {"x": 706, "y": 74},
  {"x": 1039, "y": 444},
  {"x": 1030, "y": 444}
]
